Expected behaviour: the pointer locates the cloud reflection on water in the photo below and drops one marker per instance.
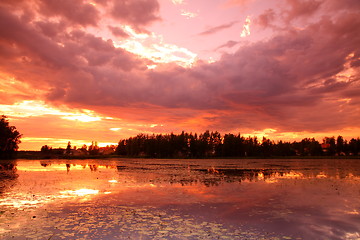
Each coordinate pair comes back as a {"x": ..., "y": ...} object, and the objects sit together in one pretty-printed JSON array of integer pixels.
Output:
[{"x": 309, "y": 198}]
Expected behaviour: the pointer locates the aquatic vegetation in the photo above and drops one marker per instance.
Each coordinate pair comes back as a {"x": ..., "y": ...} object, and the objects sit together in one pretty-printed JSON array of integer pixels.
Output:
[{"x": 181, "y": 199}]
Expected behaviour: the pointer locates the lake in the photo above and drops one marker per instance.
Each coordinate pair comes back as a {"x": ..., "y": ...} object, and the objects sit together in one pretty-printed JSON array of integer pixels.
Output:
[{"x": 180, "y": 199}]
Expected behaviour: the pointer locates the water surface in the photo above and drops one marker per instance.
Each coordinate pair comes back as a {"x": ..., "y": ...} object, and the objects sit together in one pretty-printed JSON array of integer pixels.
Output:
[{"x": 180, "y": 199}]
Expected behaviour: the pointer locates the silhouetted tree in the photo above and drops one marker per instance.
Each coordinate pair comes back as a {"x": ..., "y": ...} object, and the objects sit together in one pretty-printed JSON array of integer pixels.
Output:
[
  {"x": 182, "y": 144},
  {"x": 331, "y": 149},
  {"x": 267, "y": 147},
  {"x": 211, "y": 144},
  {"x": 354, "y": 146},
  {"x": 314, "y": 147},
  {"x": 68, "y": 148},
  {"x": 251, "y": 146},
  {"x": 9, "y": 139},
  {"x": 216, "y": 142},
  {"x": 45, "y": 149},
  {"x": 93, "y": 149},
  {"x": 232, "y": 146},
  {"x": 284, "y": 149},
  {"x": 340, "y": 145},
  {"x": 83, "y": 149},
  {"x": 308, "y": 147},
  {"x": 121, "y": 148},
  {"x": 204, "y": 147},
  {"x": 194, "y": 145}
]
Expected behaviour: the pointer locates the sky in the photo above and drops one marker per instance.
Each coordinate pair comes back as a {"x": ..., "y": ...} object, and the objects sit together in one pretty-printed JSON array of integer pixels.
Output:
[{"x": 105, "y": 70}]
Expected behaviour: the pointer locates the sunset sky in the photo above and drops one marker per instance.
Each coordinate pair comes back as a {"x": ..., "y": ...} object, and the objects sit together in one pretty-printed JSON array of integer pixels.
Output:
[{"x": 103, "y": 70}]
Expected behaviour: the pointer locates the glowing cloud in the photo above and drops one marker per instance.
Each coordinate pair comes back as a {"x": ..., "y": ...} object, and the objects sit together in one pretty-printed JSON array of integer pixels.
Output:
[
  {"x": 32, "y": 108},
  {"x": 246, "y": 28},
  {"x": 188, "y": 14},
  {"x": 115, "y": 129},
  {"x": 177, "y": 1},
  {"x": 82, "y": 118},
  {"x": 152, "y": 47}
]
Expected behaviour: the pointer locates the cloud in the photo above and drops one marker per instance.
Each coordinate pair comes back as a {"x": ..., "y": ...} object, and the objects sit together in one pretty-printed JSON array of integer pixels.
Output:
[
  {"x": 334, "y": 5},
  {"x": 238, "y": 2},
  {"x": 177, "y": 2},
  {"x": 74, "y": 11},
  {"x": 119, "y": 32},
  {"x": 228, "y": 44},
  {"x": 101, "y": 2},
  {"x": 246, "y": 27},
  {"x": 216, "y": 29},
  {"x": 32, "y": 108},
  {"x": 152, "y": 48},
  {"x": 188, "y": 14},
  {"x": 38, "y": 47},
  {"x": 302, "y": 8},
  {"x": 299, "y": 79},
  {"x": 136, "y": 13},
  {"x": 51, "y": 29},
  {"x": 266, "y": 19}
]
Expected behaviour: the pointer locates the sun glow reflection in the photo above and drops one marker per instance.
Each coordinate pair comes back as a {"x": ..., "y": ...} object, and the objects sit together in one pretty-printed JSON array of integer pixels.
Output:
[
  {"x": 277, "y": 176},
  {"x": 321, "y": 175},
  {"x": 80, "y": 192},
  {"x": 24, "y": 200},
  {"x": 353, "y": 212}
]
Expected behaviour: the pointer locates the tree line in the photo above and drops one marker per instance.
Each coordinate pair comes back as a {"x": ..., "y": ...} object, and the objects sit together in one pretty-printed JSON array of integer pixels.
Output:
[
  {"x": 213, "y": 144},
  {"x": 188, "y": 145},
  {"x": 93, "y": 150},
  {"x": 9, "y": 139}
]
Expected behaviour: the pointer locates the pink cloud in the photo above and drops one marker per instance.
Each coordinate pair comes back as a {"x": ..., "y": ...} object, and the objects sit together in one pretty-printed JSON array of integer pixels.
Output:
[
  {"x": 287, "y": 82},
  {"x": 74, "y": 11},
  {"x": 238, "y": 2},
  {"x": 51, "y": 29},
  {"x": 266, "y": 19},
  {"x": 302, "y": 8},
  {"x": 345, "y": 4},
  {"x": 136, "y": 13},
  {"x": 118, "y": 32},
  {"x": 216, "y": 29},
  {"x": 228, "y": 44}
]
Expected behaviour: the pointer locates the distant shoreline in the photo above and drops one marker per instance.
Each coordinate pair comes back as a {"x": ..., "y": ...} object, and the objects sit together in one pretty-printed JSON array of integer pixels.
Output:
[{"x": 33, "y": 155}]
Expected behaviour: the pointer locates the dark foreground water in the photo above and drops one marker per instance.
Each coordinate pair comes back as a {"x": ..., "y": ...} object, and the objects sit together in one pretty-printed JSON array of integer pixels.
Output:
[{"x": 180, "y": 199}]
